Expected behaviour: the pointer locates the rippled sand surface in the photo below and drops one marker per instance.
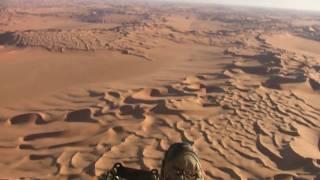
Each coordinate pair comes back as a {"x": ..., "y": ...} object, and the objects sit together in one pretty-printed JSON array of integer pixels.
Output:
[{"x": 87, "y": 84}]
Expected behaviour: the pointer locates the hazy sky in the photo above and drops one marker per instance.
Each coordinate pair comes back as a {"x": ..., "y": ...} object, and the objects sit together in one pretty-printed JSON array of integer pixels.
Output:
[{"x": 290, "y": 4}]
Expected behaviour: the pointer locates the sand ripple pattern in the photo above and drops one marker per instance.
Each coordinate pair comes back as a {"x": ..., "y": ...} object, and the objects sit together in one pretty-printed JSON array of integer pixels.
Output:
[
  {"x": 240, "y": 129},
  {"x": 61, "y": 40},
  {"x": 244, "y": 121}
]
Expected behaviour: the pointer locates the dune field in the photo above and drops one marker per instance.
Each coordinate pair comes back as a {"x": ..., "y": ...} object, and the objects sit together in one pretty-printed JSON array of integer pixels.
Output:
[{"x": 86, "y": 84}]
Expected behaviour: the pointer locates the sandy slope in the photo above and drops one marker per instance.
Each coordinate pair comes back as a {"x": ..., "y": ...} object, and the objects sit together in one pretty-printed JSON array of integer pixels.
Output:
[{"x": 243, "y": 93}]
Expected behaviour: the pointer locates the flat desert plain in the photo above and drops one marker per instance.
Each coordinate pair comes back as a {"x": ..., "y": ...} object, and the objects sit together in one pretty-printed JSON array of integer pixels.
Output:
[{"x": 85, "y": 84}]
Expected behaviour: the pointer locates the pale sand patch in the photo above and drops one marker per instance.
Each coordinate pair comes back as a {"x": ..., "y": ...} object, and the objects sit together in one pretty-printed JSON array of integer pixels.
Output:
[{"x": 295, "y": 44}]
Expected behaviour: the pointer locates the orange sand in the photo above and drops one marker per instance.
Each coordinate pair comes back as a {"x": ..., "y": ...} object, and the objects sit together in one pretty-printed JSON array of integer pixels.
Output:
[{"x": 86, "y": 85}]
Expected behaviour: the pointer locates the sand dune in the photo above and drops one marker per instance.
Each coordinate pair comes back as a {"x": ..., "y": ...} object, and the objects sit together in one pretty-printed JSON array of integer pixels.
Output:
[{"x": 121, "y": 82}]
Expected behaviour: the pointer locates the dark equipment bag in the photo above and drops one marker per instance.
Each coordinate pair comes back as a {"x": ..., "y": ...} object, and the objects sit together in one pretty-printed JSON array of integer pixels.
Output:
[{"x": 119, "y": 172}]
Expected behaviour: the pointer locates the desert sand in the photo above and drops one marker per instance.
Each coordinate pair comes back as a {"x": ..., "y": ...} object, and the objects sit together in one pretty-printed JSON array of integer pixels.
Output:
[{"x": 86, "y": 84}]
